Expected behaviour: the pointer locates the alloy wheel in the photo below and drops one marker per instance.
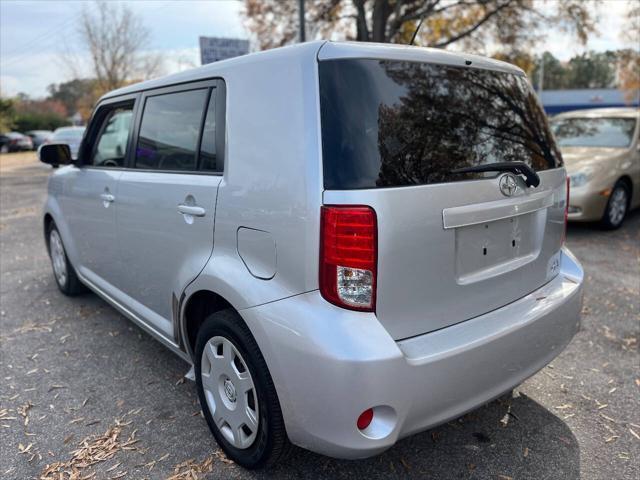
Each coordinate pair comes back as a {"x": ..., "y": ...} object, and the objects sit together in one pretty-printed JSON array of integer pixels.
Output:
[{"x": 617, "y": 206}]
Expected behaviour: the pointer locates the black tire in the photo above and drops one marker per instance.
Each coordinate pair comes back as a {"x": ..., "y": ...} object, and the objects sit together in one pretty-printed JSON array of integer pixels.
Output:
[
  {"x": 610, "y": 221},
  {"x": 72, "y": 285},
  {"x": 271, "y": 443}
]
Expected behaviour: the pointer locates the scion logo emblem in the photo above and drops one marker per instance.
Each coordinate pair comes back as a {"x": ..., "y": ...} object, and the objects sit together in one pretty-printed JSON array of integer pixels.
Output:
[{"x": 508, "y": 185}]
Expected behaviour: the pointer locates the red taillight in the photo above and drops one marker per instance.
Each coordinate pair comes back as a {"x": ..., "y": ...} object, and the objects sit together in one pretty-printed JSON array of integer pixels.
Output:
[
  {"x": 566, "y": 214},
  {"x": 364, "y": 420},
  {"x": 348, "y": 256}
]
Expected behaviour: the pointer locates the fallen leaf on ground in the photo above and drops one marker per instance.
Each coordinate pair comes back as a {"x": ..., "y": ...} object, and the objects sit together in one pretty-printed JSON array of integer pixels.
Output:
[
  {"x": 92, "y": 450},
  {"x": 190, "y": 469}
]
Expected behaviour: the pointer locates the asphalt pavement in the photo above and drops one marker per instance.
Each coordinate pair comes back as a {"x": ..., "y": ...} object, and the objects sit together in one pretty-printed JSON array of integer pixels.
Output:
[{"x": 84, "y": 390}]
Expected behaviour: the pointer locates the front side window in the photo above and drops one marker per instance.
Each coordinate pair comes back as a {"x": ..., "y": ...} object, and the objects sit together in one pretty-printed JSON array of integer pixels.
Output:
[
  {"x": 594, "y": 132},
  {"x": 169, "y": 131},
  {"x": 111, "y": 144},
  {"x": 388, "y": 123}
]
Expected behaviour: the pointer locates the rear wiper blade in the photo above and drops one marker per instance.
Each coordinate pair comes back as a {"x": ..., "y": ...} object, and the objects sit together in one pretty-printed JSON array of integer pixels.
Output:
[{"x": 519, "y": 168}]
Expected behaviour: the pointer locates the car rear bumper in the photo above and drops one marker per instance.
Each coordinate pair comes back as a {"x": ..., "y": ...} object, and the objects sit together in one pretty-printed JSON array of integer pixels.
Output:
[{"x": 330, "y": 364}]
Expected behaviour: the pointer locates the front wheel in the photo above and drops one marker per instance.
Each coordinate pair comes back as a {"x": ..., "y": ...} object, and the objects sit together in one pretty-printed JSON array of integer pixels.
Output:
[
  {"x": 64, "y": 273},
  {"x": 236, "y": 392},
  {"x": 617, "y": 206}
]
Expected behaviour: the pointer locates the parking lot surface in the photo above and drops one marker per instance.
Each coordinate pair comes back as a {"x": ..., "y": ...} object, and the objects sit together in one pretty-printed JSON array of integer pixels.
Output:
[{"x": 84, "y": 390}]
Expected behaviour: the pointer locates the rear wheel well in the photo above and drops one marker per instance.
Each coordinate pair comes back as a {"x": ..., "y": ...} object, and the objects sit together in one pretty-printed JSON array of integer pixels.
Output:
[{"x": 199, "y": 306}]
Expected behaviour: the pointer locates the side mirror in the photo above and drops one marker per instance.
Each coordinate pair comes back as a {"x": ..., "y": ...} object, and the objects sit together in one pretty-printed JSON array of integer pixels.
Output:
[{"x": 55, "y": 154}]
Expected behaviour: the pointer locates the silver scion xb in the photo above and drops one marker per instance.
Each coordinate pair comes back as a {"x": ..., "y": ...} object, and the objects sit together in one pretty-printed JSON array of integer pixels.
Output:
[{"x": 351, "y": 243}]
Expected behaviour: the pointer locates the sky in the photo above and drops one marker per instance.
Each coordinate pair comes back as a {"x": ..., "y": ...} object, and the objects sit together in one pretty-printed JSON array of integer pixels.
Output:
[{"x": 37, "y": 36}]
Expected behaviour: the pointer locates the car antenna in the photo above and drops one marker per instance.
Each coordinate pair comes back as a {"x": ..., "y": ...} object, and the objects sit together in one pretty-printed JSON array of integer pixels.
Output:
[{"x": 415, "y": 32}]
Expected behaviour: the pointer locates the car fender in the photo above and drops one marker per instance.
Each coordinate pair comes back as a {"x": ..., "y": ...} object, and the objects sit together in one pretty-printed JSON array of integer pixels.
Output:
[{"x": 53, "y": 208}]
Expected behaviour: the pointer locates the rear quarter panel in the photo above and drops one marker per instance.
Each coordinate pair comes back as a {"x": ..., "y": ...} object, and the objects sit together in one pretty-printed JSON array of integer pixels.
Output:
[{"x": 272, "y": 180}]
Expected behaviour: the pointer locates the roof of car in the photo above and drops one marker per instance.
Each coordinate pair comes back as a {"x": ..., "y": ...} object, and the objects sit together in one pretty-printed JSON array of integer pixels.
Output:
[
  {"x": 627, "y": 112},
  {"x": 69, "y": 129},
  {"x": 325, "y": 50},
  {"x": 66, "y": 130}
]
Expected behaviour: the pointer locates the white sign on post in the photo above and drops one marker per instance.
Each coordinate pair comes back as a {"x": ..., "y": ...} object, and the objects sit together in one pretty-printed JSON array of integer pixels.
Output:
[{"x": 213, "y": 49}]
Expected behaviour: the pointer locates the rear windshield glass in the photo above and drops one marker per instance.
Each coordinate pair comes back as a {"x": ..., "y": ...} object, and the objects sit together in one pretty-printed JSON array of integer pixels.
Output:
[
  {"x": 393, "y": 123},
  {"x": 594, "y": 132}
]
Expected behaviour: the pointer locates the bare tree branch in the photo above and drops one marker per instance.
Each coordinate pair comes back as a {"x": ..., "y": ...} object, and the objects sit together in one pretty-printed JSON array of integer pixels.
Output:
[
  {"x": 469, "y": 31},
  {"x": 115, "y": 39},
  {"x": 511, "y": 24}
]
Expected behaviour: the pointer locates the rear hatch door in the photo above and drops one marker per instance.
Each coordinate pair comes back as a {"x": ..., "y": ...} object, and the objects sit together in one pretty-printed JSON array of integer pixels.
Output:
[{"x": 450, "y": 246}]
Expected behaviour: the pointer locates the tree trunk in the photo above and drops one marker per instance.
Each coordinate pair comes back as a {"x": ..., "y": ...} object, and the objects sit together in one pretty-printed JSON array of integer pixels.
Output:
[
  {"x": 362, "y": 31},
  {"x": 381, "y": 12}
]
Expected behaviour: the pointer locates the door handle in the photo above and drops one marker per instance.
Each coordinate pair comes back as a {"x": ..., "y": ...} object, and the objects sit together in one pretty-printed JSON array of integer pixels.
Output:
[
  {"x": 107, "y": 197},
  {"x": 192, "y": 210}
]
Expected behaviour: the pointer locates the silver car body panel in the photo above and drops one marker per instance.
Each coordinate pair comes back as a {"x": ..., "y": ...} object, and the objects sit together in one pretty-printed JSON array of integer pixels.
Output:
[
  {"x": 418, "y": 363},
  {"x": 91, "y": 220},
  {"x": 441, "y": 243},
  {"x": 149, "y": 216},
  {"x": 351, "y": 363},
  {"x": 385, "y": 51}
]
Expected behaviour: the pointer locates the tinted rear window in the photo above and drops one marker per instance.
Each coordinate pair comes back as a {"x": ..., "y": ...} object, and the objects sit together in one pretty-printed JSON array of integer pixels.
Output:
[{"x": 393, "y": 123}]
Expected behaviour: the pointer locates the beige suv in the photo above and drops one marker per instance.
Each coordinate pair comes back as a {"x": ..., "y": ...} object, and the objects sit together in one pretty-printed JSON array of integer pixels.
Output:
[{"x": 602, "y": 156}]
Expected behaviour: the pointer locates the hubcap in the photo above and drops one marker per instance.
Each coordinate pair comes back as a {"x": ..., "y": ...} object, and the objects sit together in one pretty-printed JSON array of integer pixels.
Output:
[
  {"x": 230, "y": 392},
  {"x": 617, "y": 205},
  {"x": 58, "y": 258}
]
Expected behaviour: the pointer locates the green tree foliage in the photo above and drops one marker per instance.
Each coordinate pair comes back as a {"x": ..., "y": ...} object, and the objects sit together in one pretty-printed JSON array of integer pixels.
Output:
[
  {"x": 588, "y": 70},
  {"x": 592, "y": 70},
  {"x": 39, "y": 121},
  {"x": 555, "y": 74},
  {"x": 24, "y": 114},
  {"x": 72, "y": 93},
  {"x": 7, "y": 114}
]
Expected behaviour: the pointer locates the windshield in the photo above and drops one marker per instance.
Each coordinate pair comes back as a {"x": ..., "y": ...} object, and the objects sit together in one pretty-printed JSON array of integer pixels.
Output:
[
  {"x": 393, "y": 123},
  {"x": 594, "y": 132}
]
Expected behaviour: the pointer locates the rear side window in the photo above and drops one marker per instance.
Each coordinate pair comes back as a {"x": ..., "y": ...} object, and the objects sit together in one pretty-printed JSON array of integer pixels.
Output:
[
  {"x": 394, "y": 123},
  {"x": 170, "y": 131}
]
